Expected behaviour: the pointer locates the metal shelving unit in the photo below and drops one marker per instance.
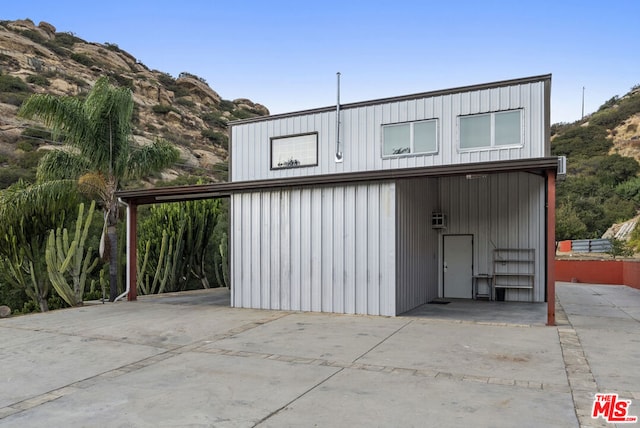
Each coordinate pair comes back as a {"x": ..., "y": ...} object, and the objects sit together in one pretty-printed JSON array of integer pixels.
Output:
[{"x": 513, "y": 268}]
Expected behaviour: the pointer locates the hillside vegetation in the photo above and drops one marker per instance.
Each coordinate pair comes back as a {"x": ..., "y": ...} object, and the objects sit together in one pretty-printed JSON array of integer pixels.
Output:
[
  {"x": 602, "y": 185},
  {"x": 182, "y": 110},
  {"x": 54, "y": 252}
]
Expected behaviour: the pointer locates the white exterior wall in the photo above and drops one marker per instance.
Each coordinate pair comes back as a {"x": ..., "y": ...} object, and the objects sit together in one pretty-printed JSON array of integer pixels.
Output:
[
  {"x": 501, "y": 211},
  {"x": 329, "y": 249},
  {"x": 361, "y": 133},
  {"x": 417, "y": 243}
]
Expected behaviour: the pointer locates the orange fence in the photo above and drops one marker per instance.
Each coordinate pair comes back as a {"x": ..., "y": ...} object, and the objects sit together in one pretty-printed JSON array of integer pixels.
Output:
[{"x": 617, "y": 272}]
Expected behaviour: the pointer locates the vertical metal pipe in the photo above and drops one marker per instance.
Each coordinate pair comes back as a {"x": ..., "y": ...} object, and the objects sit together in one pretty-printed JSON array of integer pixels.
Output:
[{"x": 338, "y": 151}]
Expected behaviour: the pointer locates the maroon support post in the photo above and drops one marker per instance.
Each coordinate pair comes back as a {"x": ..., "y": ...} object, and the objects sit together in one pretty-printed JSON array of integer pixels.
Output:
[
  {"x": 132, "y": 256},
  {"x": 551, "y": 247}
]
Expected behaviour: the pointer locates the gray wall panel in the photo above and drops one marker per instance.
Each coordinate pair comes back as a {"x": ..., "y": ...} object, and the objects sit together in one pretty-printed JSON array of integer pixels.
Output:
[
  {"x": 361, "y": 136},
  {"x": 417, "y": 243},
  {"x": 315, "y": 249}
]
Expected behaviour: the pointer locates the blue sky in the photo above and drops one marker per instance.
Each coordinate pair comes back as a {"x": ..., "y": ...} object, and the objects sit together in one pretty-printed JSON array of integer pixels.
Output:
[{"x": 285, "y": 54}]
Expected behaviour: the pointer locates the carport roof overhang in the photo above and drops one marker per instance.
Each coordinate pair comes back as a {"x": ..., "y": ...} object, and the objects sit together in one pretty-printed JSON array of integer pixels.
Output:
[{"x": 216, "y": 190}]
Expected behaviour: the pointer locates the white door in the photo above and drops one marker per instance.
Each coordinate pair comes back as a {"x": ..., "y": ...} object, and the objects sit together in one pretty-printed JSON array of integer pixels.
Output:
[{"x": 458, "y": 266}]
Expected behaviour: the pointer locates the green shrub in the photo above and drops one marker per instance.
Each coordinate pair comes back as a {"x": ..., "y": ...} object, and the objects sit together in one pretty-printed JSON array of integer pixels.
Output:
[
  {"x": 67, "y": 39},
  {"x": 83, "y": 59},
  {"x": 217, "y": 138},
  {"x": 113, "y": 47},
  {"x": 33, "y": 35},
  {"x": 171, "y": 85},
  {"x": 80, "y": 83},
  {"x": 185, "y": 102},
  {"x": 192, "y": 76},
  {"x": 13, "y": 84},
  {"x": 619, "y": 248},
  {"x": 166, "y": 80},
  {"x": 226, "y": 105},
  {"x": 221, "y": 171},
  {"x": 614, "y": 116},
  {"x": 9, "y": 61},
  {"x": 10, "y": 175},
  {"x": 121, "y": 80},
  {"x": 616, "y": 169},
  {"x": 25, "y": 146},
  {"x": 582, "y": 141},
  {"x": 242, "y": 113},
  {"x": 29, "y": 159},
  {"x": 13, "y": 98},
  {"x": 162, "y": 108},
  {"x": 214, "y": 119},
  {"x": 59, "y": 50},
  {"x": 39, "y": 80}
]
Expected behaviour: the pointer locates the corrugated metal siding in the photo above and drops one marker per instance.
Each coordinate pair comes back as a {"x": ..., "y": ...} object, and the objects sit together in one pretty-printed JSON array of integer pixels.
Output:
[
  {"x": 501, "y": 211},
  {"x": 417, "y": 243},
  {"x": 361, "y": 133},
  {"x": 329, "y": 249}
]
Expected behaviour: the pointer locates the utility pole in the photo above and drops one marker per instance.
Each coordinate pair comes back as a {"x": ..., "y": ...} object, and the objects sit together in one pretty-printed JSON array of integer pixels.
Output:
[{"x": 582, "y": 103}]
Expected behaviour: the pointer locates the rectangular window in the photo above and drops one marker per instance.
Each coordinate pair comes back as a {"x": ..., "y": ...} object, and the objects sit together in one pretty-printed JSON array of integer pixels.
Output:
[
  {"x": 508, "y": 128},
  {"x": 502, "y": 128},
  {"x": 410, "y": 138},
  {"x": 294, "y": 151}
]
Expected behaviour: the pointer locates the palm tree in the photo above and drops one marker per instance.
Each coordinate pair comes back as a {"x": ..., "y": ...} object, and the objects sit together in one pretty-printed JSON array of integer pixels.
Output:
[{"x": 98, "y": 151}]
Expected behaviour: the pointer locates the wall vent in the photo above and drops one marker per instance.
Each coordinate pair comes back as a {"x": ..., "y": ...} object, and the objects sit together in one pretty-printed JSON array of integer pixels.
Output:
[
  {"x": 562, "y": 167},
  {"x": 438, "y": 220}
]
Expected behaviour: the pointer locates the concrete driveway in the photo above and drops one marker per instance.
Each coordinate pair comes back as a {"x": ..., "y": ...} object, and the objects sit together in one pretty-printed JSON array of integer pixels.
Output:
[{"x": 190, "y": 360}]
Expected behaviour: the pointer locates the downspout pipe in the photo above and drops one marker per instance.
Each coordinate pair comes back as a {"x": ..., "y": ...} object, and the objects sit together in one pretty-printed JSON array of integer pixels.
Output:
[
  {"x": 338, "y": 150},
  {"x": 128, "y": 281}
]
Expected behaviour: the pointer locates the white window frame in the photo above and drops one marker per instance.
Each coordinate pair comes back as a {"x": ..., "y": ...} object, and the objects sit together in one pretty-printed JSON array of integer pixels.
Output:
[
  {"x": 492, "y": 131},
  {"x": 277, "y": 163},
  {"x": 412, "y": 151}
]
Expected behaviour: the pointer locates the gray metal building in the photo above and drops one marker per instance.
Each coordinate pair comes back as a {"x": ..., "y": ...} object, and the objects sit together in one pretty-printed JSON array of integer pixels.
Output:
[{"x": 378, "y": 207}]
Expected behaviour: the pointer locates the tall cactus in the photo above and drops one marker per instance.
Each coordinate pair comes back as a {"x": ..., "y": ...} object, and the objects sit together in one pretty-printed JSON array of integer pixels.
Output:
[
  {"x": 69, "y": 259},
  {"x": 163, "y": 269}
]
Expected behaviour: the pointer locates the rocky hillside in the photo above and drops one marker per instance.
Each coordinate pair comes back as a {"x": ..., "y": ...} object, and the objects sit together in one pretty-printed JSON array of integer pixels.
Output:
[
  {"x": 602, "y": 187},
  {"x": 626, "y": 134},
  {"x": 183, "y": 110}
]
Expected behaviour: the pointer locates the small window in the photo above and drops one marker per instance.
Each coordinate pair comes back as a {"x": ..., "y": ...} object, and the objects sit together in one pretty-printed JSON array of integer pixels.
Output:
[
  {"x": 508, "y": 128},
  {"x": 491, "y": 129},
  {"x": 294, "y": 151},
  {"x": 410, "y": 138}
]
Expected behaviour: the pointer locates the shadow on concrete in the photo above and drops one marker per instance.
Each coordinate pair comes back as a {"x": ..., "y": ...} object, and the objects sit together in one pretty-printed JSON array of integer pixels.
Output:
[
  {"x": 464, "y": 310},
  {"x": 210, "y": 297},
  {"x": 519, "y": 313}
]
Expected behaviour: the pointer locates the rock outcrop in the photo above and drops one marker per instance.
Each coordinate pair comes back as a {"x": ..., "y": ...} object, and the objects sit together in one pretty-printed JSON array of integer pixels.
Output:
[{"x": 184, "y": 110}]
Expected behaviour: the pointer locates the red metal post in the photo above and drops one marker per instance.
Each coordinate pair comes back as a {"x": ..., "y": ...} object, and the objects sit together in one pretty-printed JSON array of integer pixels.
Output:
[
  {"x": 132, "y": 256},
  {"x": 551, "y": 247}
]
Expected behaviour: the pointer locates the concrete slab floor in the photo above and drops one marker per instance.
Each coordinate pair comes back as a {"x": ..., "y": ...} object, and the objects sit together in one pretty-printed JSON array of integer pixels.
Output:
[{"x": 190, "y": 360}]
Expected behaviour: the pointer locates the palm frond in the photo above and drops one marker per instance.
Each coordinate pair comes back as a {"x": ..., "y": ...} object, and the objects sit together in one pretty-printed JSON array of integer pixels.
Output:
[
  {"x": 36, "y": 207},
  {"x": 61, "y": 164},
  {"x": 152, "y": 158},
  {"x": 109, "y": 111},
  {"x": 63, "y": 115}
]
